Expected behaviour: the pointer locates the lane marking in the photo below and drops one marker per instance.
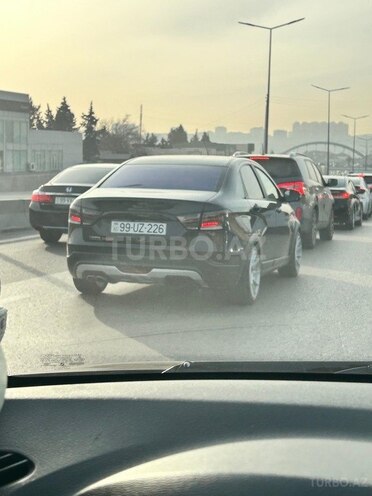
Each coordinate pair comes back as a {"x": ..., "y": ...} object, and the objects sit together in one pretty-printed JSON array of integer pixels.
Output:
[{"x": 21, "y": 238}]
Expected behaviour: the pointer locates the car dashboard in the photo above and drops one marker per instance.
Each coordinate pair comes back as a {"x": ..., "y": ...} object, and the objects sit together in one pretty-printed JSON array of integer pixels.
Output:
[{"x": 182, "y": 436}]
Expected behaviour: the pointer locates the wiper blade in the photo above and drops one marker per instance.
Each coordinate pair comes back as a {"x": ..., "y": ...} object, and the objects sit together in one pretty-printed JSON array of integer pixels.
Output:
[{"x": 178, "y": 367}]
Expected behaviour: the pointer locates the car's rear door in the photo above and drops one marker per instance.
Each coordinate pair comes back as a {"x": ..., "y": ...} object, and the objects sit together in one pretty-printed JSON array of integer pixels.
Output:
[
  {"x": 280, "y": 211},
  {"x": 263, "y": 210},
  {"x": 317, "y": 190}
]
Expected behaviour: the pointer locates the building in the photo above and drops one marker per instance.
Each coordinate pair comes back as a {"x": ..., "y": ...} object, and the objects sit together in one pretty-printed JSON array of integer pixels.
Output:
[{"x": 25, "y": 151}]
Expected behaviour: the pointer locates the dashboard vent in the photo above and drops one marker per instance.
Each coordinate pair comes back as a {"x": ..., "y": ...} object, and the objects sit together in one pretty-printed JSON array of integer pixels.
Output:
[{"x": 13, "y": 467}]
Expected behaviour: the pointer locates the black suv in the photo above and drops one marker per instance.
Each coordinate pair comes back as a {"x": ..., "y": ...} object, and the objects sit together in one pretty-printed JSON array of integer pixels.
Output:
[{"x": 315, "y": 208}]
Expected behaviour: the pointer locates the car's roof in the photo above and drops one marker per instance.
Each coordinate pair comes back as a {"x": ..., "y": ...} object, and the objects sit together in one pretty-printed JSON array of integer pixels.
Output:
[
  {"x": 92, "y": 166},
  {"x": 215, "y": 160}
]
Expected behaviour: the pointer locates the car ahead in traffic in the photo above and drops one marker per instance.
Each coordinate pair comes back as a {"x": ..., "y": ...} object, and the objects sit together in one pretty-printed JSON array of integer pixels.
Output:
[
  {"x": 48, "y": 210},
  {"x": 218, "y": 221},
  {"x": 315, "y": 206},
  {"x": 367, "y": 176},
  {"x": 364, "y": 193},
  {"x": 348, "y": 207}
]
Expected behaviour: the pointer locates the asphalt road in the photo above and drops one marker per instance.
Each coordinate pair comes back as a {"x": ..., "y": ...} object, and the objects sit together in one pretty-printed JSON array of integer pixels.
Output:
[{"x": 324, "y": 314}]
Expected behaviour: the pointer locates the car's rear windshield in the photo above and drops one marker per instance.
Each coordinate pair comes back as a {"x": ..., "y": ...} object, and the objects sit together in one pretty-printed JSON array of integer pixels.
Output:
[
  {"x": 81, "y": 175},
  {"x": 167, "y": 176},
  {"x": 280, "y": 169},
  {"x": 355, "y": 180},
  {"x": 337, "y": 182},
  {"x": 368, "y": 179}
]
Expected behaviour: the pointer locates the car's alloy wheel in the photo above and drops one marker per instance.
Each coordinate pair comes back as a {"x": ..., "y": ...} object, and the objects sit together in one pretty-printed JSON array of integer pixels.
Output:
[
  {"x": 248, "y": 286},
  {"x": 293, "y": 267}
]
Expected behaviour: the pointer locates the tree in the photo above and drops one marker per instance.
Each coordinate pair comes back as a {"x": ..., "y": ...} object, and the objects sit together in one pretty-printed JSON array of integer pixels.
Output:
[
  {"x": 150, "y": 140},
  {"x": 195, "y": 139},
  {"x": 48, "y": 118},
  {"x": 65, "y": 118},
  {"x": 119, "y": 136},
  {"x": 89, "y": 123},
  {"x": 36, "y": 121},
  {"x": 205, "y": 138},
  {"x": 164, "y": 143},
  {"x": 177, "y": 136}
]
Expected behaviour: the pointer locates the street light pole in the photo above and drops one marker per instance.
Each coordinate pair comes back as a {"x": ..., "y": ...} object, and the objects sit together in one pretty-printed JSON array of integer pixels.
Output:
[
  {"x": 354, "y": 119},
  {"x": 267, "y": 108},
  {"x": 329, "y": 91},
  {"x": 366, "y": 141}
]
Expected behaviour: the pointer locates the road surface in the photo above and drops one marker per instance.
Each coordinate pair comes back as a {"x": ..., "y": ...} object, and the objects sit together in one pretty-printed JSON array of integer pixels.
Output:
[{"x": 325, "y": 314}]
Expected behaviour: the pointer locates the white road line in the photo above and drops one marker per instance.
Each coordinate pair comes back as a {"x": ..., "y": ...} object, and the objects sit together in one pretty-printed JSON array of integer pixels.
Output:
[{"x": 21, "y": 238}]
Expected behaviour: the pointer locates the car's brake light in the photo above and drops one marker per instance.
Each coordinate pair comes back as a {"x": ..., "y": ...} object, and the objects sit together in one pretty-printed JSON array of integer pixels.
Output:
[
  {"x": 298, "y": 186},
  {"x": 74, "y": 215},
  {"x": 75, "y": 219},
  {"x": 40, "y": 197},
  {"x": 259, "y": 157},
  {"x": 212, "y": 221},
  {"x": 298, "y": 213},
  {"x": 341, "y": 194}
]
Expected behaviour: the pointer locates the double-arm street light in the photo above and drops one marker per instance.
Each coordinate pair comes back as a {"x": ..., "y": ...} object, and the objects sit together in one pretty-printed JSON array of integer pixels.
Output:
[
  {"x": 267, "y": 111},
  {"x": 329, "y": 91},
  {"x": 354, "y": 119},
  {"x": 366, "y": 141}
]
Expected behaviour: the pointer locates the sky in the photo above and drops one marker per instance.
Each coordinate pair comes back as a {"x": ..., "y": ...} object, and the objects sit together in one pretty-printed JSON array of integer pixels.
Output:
[{"x": 190, "y": 62}]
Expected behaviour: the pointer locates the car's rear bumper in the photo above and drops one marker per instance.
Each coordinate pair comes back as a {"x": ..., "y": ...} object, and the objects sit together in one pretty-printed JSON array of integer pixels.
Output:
[
  {"x": 206, "y": 273},
  {"x": 48, "y": 219},
  {"x": 341, "y": 211}
]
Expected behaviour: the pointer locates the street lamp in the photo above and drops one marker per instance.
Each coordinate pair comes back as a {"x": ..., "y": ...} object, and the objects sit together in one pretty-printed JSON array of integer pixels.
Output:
[
  {"x": 271, "y": 29},
  {"x": 366, "y": 140},
  {"x": 354, "y": 119},
  {"x": 329, "y": 91}
]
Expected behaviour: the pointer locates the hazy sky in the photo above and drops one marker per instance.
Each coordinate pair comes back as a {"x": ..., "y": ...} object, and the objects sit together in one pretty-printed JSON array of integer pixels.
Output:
[{"x": 190, "y": 61}]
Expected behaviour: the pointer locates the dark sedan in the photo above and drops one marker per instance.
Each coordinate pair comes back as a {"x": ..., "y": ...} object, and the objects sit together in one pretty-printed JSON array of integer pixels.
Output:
[
  {"x": 220, "y": 222},
  {"x": 348, "y": 208},
  {"x": 50, "y": 203}
]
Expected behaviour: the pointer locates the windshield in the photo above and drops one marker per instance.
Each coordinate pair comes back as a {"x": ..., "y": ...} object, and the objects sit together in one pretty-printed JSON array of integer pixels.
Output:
[
  {"x": 81, "y": 175},
  {"x": 162, "y": 176},
  {"x": 281, "y": 169},
  {"x": 165, "y": 193}
]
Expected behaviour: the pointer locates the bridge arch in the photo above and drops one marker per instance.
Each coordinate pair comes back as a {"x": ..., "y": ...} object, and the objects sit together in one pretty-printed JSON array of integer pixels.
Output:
[{"x": 318, "y": 143}]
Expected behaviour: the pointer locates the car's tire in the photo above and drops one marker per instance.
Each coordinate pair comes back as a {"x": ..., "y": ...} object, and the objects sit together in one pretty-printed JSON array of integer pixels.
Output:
[
  {"x": 50, "y": 236},
  {"x": 89, "y": 286},
  {"x": 246, "y": 290},
  {"x": 309, "y": 238},
  {"x": 360, "y": 221},
  {"x": 350, "y": 223},
  {"x": 293, "y": 267},
  {"x": 327, "y": 233}
]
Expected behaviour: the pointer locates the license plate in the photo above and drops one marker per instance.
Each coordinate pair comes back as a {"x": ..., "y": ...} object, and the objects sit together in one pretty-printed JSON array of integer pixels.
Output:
[
  {"x": 63, "y": 200},
  {"x": 124, "y": 227}
]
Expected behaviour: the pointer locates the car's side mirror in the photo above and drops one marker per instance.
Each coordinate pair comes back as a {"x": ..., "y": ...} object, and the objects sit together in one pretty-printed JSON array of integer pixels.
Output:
[{"x": 290, "y": 195}]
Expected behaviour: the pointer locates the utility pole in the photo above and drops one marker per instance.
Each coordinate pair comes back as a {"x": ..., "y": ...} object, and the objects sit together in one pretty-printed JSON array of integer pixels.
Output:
[{"x": 140, "y": 126}]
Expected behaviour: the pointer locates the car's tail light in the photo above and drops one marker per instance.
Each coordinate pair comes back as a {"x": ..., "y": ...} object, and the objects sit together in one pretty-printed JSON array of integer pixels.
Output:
[
  {"x": 212, "y": 221},
  {"x": 298, "y": 186},
  {"x": 190, "y": 221},
  {"x": 298, "y": 213},
  {"x": 40, "y": 197},
  {"x": 341, "y": 194},
  {"x": 74, "y": 215}
]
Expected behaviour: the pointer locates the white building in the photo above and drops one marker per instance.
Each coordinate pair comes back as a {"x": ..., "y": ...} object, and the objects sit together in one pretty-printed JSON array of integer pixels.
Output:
[{"x": 23, "y": 150}]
